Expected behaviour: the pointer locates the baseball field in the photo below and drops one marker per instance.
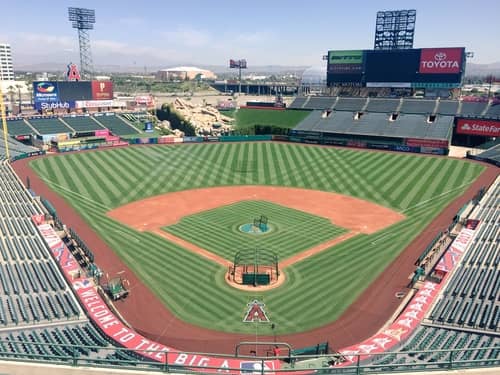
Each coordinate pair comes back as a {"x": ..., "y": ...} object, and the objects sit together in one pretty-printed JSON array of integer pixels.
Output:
[{"x": 318, "y": 287}]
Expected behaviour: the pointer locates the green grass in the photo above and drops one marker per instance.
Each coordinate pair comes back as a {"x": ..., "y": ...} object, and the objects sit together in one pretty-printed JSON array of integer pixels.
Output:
[
  {"x": 217, "y": 230},
  {"x": 246, "y": 117},
  {"x": 318, "y": 289}
]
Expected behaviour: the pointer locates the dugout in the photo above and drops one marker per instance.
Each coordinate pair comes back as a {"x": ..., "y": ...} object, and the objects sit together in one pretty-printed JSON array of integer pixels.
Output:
[{"x": 255, "y": 267}]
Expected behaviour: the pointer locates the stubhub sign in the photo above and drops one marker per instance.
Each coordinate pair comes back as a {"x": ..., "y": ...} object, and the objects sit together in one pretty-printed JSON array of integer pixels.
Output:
[{"x": 48, "y": 106}]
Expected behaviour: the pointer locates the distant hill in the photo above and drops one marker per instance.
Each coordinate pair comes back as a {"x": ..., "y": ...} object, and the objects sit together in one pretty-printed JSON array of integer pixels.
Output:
[
  {"x": 482, "y": 69},
  {"x": 61, "y": 67},
  {"x": 472, "y": 69}
]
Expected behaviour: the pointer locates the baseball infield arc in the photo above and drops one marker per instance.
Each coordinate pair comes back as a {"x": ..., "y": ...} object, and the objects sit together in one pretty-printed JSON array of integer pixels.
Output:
[{"x": 356, "y": 215}]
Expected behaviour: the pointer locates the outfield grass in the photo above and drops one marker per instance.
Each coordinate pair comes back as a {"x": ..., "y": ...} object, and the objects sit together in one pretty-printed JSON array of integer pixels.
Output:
[
  {"x": 217, "y": 230},
  {"x": 318, "y": 289},
  {"x": 246, "y": 117}
]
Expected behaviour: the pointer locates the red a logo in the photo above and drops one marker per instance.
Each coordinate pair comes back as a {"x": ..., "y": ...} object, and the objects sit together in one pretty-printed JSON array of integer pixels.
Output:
[
  {"x": 256, "y": 313},
  {"x": 73, "y": 73}
]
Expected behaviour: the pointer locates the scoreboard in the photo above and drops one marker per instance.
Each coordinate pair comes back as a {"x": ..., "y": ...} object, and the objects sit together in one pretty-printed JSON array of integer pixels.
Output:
[
  {"x": 72, "y": 94},
  {"x": 419, "y": 68}
]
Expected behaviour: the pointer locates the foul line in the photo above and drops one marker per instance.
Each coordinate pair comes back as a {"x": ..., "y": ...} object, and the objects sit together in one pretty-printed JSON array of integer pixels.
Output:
[
  {"x": 437, "y": 196},
  {"x": 94, "y": 203}
]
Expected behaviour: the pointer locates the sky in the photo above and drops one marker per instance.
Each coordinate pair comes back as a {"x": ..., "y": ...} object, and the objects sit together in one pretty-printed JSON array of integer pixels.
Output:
[{"x": 196, "y": 32}]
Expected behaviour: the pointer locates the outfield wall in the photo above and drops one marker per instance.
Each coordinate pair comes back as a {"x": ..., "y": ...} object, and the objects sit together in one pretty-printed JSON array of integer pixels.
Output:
[{"x": 422, "y": 146}]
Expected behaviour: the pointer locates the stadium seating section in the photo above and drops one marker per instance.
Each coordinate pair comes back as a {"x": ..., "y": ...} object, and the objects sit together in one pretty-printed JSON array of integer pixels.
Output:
[
  {"x": 116, "y": 124},
  {"x": 378, "y": 124},
  {"x": 472, "y": 108},
  {"x": 448, "y": 107},
  {"x": 404, "y": 105},
  {"x": 418, "y": 106},
  {"x": 383, "y": 105},
  {"x": 19, "y": 127},
  {"x": 429, "y": 341},
  {"x": 350, "y": 104},
  {"x": 82, "y": 123},
  {"x": 472, "y": 295},
  {"x": 492, "y": 154},
  {"x": 467, "y": 315},
  {"x": 493, "y": 110},
  {"x": 15, "y": 148},
  {"x": 51, "y": 125}
]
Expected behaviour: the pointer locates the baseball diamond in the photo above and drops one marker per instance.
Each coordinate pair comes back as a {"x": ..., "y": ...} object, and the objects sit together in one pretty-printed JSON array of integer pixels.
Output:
[
  {"x": 318, "y": 288},
  {"x": 266, "y": 216}
]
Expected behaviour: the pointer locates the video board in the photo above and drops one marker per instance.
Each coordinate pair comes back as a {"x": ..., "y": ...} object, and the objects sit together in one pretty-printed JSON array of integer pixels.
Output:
[
  {"x": 425, "y": 67},
  {"x": 64, "y": 94}
]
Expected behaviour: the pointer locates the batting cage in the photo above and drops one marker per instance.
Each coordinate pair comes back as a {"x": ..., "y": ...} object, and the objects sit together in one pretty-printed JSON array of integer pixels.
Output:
[{"x": 255, "y": 267}]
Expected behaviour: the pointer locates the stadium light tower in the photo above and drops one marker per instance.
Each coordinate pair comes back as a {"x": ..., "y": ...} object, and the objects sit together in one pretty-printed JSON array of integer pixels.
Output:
[
  {"x": 83, "y": 20},
  {"x": 395, "y": 29}
]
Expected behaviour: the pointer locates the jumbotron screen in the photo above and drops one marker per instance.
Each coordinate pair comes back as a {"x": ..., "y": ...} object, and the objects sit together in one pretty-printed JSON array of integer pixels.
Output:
[
  {"x": 425, "y": 67},
  {"x": 68, "y": 94}
]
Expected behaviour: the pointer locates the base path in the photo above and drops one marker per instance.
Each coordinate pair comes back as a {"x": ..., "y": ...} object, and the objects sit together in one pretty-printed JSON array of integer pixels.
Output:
[
  {"x": 146, "y": 313},
  {"x": 348, "y": 212}
]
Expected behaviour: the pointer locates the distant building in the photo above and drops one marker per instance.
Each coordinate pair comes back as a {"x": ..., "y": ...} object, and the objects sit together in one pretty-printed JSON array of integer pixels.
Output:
[
  {"x": 6, "y": 70},
  {"x": 183, "y": 73}
]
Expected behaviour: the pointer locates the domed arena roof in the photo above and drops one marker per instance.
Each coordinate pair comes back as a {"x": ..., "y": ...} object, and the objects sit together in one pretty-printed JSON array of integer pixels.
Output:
[{"x": 314, "y": 75}]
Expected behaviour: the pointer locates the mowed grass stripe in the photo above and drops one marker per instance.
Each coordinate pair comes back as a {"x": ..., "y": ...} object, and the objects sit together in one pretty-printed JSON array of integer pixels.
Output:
[
  {"x": 108, "y": 178},
  {"x": 441, "y": 172},
  {"x": 65, "y": 171},
  {"x": 193, "y": 287},
  {"x": 400, "y": 192},
  {"x": 399, "y": 180},
  {"x": 428, "y": 174}
]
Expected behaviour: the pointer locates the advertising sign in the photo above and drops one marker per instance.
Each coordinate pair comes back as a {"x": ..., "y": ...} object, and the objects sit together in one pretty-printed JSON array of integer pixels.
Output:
[
  {"x": 45, "y": 91},
  {"x": 416, "y": 142},
  {"x": 345, "y": 57},
  {"x": 102, "y": 90},
  {"x": 56, "y": 104},
  {"x": 345, "y": 62},
  {"x": 144, "y": 100},
  {"x": 389, "y": 84},
  {"x": 441, "y": 60},
  {"x": 486, "y": 128},
  {"x": 94, "y": 103},
  {"x": 238, "y": 64}
]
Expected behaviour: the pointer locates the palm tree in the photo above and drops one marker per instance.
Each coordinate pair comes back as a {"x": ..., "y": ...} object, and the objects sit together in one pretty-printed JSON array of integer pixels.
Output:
[{"x": 19, "y": 87}]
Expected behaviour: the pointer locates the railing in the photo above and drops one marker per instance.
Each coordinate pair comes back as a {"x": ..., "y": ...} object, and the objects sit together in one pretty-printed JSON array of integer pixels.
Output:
[{"x": 113, "y": 357}]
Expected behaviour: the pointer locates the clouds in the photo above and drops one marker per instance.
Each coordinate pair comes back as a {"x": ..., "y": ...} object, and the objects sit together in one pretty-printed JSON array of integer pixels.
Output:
[
  {"x": 181, "y": 44},
  {"x": 187, "y": 36}
]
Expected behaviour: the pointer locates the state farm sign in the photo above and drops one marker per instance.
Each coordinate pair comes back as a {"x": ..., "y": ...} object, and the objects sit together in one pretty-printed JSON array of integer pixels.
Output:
[
  {"x": 440, "y": 60},
  {"x": 485, "y": 128}
]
